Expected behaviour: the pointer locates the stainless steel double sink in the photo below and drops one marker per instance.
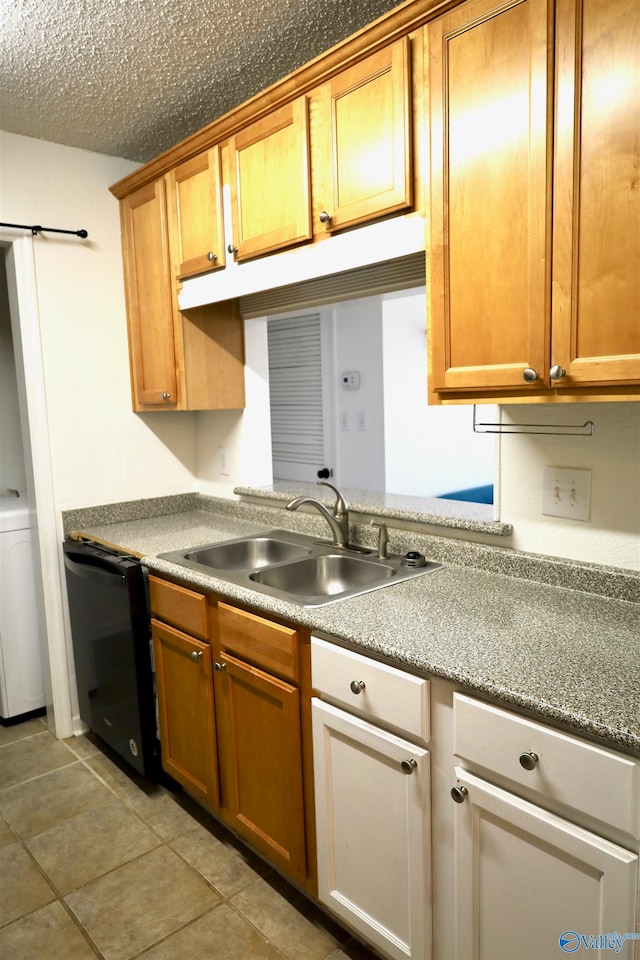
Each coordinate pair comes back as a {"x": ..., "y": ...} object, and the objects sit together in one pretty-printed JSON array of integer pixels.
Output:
[{"x": 299, "y": 568}]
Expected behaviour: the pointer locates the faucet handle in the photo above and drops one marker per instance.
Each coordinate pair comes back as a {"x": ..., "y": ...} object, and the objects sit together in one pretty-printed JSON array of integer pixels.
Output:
[{"x": 341, "y": 505}]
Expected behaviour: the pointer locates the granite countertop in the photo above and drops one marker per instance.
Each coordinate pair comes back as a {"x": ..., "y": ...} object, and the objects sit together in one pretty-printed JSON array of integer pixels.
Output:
[{"x": 565, "y": 655}]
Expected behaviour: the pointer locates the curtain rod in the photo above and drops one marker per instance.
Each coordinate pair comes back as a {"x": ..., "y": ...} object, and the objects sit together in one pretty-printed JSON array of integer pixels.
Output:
[{"x": 37, "y": 229}]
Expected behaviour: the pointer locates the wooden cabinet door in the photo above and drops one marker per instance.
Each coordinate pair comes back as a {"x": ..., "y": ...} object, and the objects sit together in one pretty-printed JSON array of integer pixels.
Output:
[
  {"x": 365, "y": 126},
  {"x": 148, "y": 289},
  {"x": 525, "y": 877},
  {"x": 373, "y": 828},
  {"x": 194, "y": 207},
  {"x": 596, "y": 255},
  {"x": 185, "y": 705},
  {"x": 261, "y": 762},
  {"x": 489, "y": 69},
  {"x": 270, "y": 182}
]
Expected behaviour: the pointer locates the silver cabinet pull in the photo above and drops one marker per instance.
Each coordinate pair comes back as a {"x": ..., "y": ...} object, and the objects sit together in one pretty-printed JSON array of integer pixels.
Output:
[
  {"x": 232, "y": 249},
  {"x": 408, "y": 766},
  {"x": 196, "y": 655},
  {"x": 357, "y": 686},
  {"x": 165, "y": 395},
  {"x": 459, "y": 794},
  {"x": 211, "y": 256},
  {"x": 324, "y": 217},
  {"x": 557, "y": 372},
  {"x": 530, "y": 375},
  {"x": 219, "y": 666},
  {"x": 529, "y": 760}
]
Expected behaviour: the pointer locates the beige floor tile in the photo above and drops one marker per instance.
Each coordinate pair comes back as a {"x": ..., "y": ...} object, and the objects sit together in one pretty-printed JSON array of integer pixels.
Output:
[
  {"x": 6, "y": 833},
  {"x": 162, "y": 812},
  {"x": 129, "y": 786},
  {"x": 353, "y": 950},
  {"x": 49, "y": 933},
  {"x": 297, "y": 936},
  {"x": 24, "y": 759},
  {"x": 227, "y": 867},
  {"x": 22, "y": 886},
  {"x": 83, "y": 746},
  {"x": 140, "y": 903},
  {"x": 39, "y": 804},
  {"x": 90, "y": 844},
  {"x": 220, "y": 935},
  {"x": 20, "y": 731}
]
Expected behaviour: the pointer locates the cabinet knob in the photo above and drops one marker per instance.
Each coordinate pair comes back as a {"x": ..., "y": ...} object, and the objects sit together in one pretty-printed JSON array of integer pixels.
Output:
[
  {"x": 211, "y": 256},
  {"x": 357, "y": 686},
  {"x": 196, "y": 655},
  {"x": 459, "y": 794},
  {"x": 165, "y": 395},
  {"x": 530, "y": 375},
  {"x": 557, "y": 372},
  {"x": 324, "y": 217},
  {"x": 529, "y": 760},
  {"x": 218, "y": 666},
  {"x": 408, "y": 766},
  {"x": 232, "y": 249}
]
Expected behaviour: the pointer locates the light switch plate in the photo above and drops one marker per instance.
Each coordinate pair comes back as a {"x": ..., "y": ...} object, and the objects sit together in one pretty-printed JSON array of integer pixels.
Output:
[{"x": 566, "y": 492}]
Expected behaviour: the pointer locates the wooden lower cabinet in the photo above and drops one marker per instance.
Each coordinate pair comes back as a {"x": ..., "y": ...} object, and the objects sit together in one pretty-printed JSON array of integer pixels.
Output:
[
  {"x": 185, "y": 705},
  {"x": 258, "y": 719}
]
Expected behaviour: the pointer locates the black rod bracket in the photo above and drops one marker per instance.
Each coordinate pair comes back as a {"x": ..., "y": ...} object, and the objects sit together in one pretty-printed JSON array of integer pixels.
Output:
[{"x": 35, "y": 230}]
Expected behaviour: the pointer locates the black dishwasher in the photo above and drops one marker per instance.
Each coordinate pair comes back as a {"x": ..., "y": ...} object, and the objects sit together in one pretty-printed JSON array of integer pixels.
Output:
[{"x": 110, "y": 628}]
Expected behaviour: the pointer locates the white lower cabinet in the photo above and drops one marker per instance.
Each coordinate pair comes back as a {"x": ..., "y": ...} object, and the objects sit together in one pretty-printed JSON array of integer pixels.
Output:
[
  {"x": 373, "y": 830},
  {"x": 530, "y": 884}
]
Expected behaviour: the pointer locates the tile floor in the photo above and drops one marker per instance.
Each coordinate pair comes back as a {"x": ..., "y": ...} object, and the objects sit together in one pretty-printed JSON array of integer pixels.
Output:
[{"x": 98, "y": 863}]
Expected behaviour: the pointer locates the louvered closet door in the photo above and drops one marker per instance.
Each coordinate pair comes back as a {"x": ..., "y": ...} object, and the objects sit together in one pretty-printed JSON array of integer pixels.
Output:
[{"x": 300, "y": 423}]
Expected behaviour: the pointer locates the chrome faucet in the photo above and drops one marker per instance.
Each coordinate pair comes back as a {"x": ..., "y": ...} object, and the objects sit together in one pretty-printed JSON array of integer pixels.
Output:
[{"x": 338, "y": 518}]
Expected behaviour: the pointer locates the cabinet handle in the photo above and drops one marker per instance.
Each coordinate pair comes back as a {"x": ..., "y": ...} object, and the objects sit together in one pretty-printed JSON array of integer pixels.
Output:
[
  {"x": 196, "y": 655},
  {"x": 218, "y": 666},
  {"x": 530, "y": 375},
  {"x": 529, "y": 760},
  {"x": 232, "y": 249},
  {"x": 325, "y": 217},
  {"x": 459, "y": 794},
  {"x": 557, "y": 372},
  {"x": 408, "y": 766},
  {"x": 357, "y": 686},
  {"x": 211, "y": 256},
  {"x": 165, "y": 395}
]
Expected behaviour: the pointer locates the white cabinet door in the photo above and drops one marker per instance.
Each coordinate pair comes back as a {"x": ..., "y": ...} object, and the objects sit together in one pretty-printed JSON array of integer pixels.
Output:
[
  {"x": 373, "y": 828},
  {"x": 529, "y": 884}
]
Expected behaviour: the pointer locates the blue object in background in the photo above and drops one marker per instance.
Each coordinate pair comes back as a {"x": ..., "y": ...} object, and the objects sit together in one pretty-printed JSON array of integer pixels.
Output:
[{"x": 471, "y": 494}]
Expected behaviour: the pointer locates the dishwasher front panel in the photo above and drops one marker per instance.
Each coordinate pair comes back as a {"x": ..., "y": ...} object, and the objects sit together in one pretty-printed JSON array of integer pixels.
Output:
[{"x": 110, "y": 626}]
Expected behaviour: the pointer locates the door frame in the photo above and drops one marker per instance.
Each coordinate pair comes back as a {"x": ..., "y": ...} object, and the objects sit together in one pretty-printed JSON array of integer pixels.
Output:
[{"x": 25, "y": 323}]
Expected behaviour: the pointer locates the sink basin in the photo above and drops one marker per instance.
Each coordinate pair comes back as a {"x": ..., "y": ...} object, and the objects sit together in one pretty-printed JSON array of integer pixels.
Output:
[
  {"x": 324, "y": 576},
  {"x": 296, "y": 567},
  {"x": 250, "y": 553}
]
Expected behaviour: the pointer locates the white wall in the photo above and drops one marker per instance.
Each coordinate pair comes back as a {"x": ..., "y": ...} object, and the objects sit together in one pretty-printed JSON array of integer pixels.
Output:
[
  {"x": 101, "y": 451},
  {"x": 612, "y": 534},
  {"x": 428, "y": 450},
  {"x": 358, "y": 347}
]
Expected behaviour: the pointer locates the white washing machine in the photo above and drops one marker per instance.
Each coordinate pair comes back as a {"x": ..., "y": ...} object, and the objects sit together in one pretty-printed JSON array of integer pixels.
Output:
[{"x": 21, "y": 680}]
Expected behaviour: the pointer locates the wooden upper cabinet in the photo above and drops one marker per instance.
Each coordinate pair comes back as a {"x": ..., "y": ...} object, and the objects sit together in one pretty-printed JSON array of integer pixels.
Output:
[
  {"x": 596, "y": 253},
  {"x": 364, "y": 168},
  {"x": 490, "y": 195},
  {"x": 148, "y": 290},
  {"x": 270, "y": 191},
  {"x": 194, "y": 207}
]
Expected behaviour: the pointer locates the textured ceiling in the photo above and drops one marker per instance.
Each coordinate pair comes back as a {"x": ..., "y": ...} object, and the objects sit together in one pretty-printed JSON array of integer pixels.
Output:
[{"x": 131, "y": 78}]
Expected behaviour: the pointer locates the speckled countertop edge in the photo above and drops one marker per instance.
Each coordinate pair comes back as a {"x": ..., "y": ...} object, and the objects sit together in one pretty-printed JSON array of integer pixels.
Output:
[
  {"x": 431, "y": 511},
  {"x": 563, "y": 655}
]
